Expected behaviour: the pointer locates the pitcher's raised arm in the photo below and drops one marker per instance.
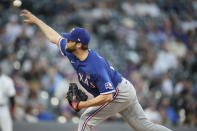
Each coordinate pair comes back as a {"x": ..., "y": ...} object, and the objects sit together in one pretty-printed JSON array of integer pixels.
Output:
[{"x": 50, "y": 33}]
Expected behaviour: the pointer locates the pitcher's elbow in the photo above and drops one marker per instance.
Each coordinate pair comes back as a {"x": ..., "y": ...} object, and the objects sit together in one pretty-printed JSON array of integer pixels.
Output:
[{"x": 109, "y": 98}]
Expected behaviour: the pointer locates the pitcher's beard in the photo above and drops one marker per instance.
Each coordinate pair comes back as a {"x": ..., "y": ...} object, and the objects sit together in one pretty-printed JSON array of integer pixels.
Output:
[{"x": 70, "y": 50}]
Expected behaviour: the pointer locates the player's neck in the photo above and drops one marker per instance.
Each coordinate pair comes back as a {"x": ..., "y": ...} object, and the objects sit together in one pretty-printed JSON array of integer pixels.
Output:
[{"x": 81, "y": 54}]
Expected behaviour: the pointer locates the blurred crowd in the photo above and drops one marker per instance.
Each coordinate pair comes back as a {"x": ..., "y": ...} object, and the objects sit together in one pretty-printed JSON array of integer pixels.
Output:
[{"x": 153, "y": 43}]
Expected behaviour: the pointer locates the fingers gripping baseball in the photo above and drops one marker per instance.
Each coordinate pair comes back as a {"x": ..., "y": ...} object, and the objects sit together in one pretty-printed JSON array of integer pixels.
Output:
[{"x": 75, "y": 95}]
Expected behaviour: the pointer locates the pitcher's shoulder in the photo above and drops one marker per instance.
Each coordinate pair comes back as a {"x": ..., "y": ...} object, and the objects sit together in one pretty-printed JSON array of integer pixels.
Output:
[{"x": 96, "y": 55}]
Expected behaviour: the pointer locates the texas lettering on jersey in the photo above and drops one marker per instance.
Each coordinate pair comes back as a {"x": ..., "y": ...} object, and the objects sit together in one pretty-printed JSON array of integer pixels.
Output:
[{"x": 85, "y": 79}]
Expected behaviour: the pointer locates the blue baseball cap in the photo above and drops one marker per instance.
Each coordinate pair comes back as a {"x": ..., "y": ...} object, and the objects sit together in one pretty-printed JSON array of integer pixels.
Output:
[{"x": 79, "y": 35}]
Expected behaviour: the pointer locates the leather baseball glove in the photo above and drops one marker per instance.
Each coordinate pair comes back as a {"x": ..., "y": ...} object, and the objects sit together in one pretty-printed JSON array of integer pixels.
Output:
[{"x": 75, "y": 95}]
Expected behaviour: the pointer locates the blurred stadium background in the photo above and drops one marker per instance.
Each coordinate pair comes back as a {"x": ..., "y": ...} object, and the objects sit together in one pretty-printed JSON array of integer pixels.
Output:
[{"x": 153, "y": 43}]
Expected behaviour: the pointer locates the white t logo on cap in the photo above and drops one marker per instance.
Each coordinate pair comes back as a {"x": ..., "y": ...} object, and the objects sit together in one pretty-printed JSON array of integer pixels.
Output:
[{"x": 78, "y": 39}]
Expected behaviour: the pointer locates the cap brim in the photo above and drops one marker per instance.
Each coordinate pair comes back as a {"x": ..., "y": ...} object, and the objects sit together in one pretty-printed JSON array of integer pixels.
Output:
[{"x": 67, "y": 36}]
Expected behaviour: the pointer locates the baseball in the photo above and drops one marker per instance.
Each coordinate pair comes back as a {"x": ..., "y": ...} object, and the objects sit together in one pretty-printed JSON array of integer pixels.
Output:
[{"x": 17, "y": 3}]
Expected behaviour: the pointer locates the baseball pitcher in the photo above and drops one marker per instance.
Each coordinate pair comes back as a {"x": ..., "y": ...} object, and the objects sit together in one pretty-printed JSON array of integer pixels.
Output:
[{"x": 112, "y": 92}]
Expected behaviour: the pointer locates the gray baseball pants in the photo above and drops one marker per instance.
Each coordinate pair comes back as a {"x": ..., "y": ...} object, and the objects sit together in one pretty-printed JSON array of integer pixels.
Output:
[
  {"x": 5, "y": 119},
  {"x": 125, "y": 102}
]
